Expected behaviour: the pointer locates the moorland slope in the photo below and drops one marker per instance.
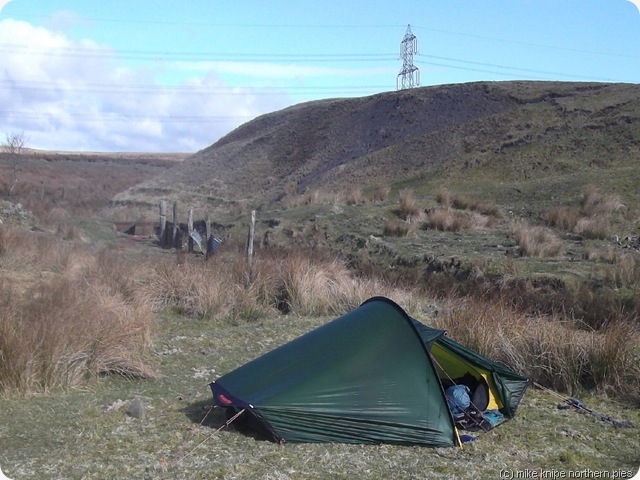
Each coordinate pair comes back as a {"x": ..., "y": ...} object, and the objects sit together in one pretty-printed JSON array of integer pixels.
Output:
[{"x": 512, "y": 133}]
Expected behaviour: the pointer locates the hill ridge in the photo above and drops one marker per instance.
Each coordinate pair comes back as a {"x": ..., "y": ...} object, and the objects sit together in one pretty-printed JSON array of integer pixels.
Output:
[{"x": 519, "y": 129}]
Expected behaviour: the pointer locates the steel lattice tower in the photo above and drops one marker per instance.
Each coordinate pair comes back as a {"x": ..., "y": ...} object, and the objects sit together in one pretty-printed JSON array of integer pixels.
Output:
[{"x": 409, "y": 76}]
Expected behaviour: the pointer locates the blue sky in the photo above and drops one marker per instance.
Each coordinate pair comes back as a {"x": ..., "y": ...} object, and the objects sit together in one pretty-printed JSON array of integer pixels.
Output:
[{"x": 122, "y": 75}]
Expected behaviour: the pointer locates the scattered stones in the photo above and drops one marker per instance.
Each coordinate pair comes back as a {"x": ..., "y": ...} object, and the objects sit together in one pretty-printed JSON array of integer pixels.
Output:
[
  {"x": 203, "y": 372},
  {"x": 115, "y": 406},
  {"x": 629, "y": 241},
  {"x": 166, "y": 350},
  {"x": 570, "y": 432}
]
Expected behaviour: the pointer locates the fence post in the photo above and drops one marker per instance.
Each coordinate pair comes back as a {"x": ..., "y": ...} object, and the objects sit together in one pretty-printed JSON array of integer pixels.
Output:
[
  {"x": 252, "y": 231},
  {"x": 208, "y": 233},
  {"x": 190, "y": 229},
  {"x": 174, "y": 241},
  {"x": 163, "y": 223}
]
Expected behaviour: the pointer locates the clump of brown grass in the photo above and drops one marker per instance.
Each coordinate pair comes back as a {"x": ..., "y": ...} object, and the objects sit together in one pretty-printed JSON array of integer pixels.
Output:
[
  {"x": 564, "y": 218},
  {"x": 304, "y": 283},
  {"x": 627, "y": 270},
  {"x": 317, "y": 196},
  {"x": 536, "y": 241},
  {"x": 355, "y": 197},
  {"x": 300, "y": 283},
  {"x": 598, "y": 227},
  {"x": 594, "y": 202},
  {"x": 188, "y": 288},
  {"x": 409, "y": 209},
  {"x": 461, "y": 212},
  {"x": 444, "y": 197},
  {"x": 592, "y": 219},
  {"x": 396, "y": 228},
  {"x": 558, "y": 354},
  {"x": 448, "y": 220},
  {"x": 307, "y": 287},
  {"x": 380, "y": 194},
  {"x": 58, "y": 329},
  {"x": 447, "y": 198}
]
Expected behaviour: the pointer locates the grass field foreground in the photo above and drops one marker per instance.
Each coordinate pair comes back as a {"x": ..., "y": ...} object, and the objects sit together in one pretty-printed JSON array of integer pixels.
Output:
[{"x": 88, "y": 434}]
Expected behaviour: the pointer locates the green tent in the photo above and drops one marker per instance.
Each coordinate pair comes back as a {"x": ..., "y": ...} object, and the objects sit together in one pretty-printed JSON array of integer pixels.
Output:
[{"x": 374, "y": 375}]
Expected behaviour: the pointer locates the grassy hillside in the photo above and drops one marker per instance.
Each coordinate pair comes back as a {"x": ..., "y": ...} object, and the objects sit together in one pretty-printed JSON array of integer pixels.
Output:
[{"x": 522, "y": 138}]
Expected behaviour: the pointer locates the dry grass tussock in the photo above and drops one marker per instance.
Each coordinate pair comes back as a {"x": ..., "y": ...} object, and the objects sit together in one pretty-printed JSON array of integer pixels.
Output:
[
  {"x": 460, "y": 212},
  {"x": 594, "y": 202},
  {"x": 380, "y": 194},
  {"x": 536, "y": 241},
  {"x": 397, "y": 228},
  {"x": 450, "y": 199},
  {"x": 448, "y": 220},
  {"x": 409, "y": 209},
  {"x": 66, "y": 323},
  {"x": 592, "y": 219},
  {"x": 227, "y": 287},
  {"x": 558, "y": 354}
]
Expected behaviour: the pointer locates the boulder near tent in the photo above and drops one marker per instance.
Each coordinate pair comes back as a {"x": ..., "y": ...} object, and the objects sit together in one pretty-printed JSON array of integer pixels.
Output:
[{"x": 374, "y": 375}]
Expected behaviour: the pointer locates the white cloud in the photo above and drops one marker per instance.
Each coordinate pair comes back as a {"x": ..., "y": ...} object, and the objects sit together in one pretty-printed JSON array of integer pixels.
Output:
[{"x": 76, "y": 95}]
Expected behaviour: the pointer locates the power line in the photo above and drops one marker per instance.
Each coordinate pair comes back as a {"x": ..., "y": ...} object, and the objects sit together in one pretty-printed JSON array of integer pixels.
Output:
[
  {"x": 226, "y": 25},
  {"x": 529, "y": 44},
  {"x": 529, "y": 71},
  {"x": 147, "y": 89},
  {"x": 183, "y": 55},
  {"x": 123, "y": 117}
]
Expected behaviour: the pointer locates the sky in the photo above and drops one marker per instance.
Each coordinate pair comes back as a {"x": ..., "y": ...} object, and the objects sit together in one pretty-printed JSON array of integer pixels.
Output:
[{"x": 164, "y": 76}]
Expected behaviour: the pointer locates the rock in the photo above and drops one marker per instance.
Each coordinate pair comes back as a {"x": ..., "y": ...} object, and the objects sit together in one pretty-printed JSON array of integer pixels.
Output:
[{"x": 136, "y": 408}]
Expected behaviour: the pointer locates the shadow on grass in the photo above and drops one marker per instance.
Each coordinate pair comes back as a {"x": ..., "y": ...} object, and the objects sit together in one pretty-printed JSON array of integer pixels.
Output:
[
  {"x": 218, "y": 418},
  {"x": 201, "y": 413}
]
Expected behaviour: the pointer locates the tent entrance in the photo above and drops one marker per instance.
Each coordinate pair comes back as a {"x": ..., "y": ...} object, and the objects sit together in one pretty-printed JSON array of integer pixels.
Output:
[{"x": 452, "y": 369}]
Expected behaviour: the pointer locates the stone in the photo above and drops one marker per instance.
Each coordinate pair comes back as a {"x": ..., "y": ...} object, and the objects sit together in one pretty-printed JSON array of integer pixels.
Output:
[{"x": 136, "y": 408}]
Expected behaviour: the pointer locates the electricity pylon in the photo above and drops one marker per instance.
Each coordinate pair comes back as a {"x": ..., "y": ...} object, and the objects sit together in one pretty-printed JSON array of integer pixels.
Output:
[{"x": 409, "y": 76}]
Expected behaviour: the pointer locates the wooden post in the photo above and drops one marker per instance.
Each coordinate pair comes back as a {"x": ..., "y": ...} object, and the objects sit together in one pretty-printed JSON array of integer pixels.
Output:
[
  {"x": 174, "y": 238},
  {"x": 208, "y": 233},
  {"x": 190, "y": 228},
  {"x": 252, "y": 228},
  {"x": 163, "y": 223}
]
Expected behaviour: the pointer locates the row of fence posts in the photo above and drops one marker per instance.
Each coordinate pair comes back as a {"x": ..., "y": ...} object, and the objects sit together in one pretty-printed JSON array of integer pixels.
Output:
[{"x": 173, "y": 240}]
